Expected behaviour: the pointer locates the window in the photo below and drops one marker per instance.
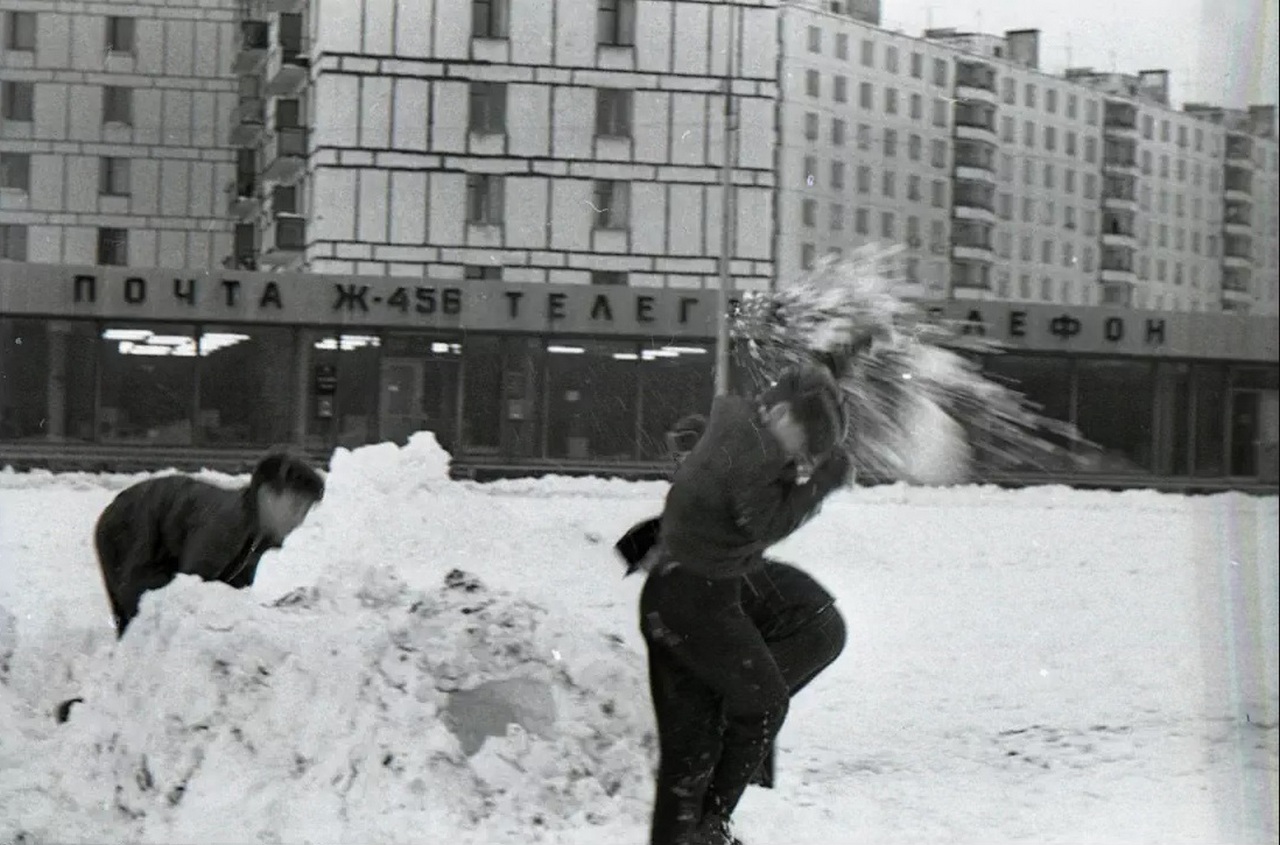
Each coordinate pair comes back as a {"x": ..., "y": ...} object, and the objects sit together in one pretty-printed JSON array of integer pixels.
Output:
[
  {"x": 865, "y": 97},
  {"x": 915, "y": 147},
  {"x": 886, "y": 224},
  {"x": 807, "y": 254},
  {"x": 484, "y": 199},
  {"x": 1072, "y": 106},
  {"x": 939, "y": 112},
  {"x": 939, "y": 152},
  {"x": 113, "y": 247},
  {"x": 940, "y": 72},
  {"x": 18, "y": 101},
  {"x": 917, "y": 65},
  {"x": 815, "y": 40},
  {"x": 864, "y": 179},
  {"x": 917, "y": 107},
  {"x": 488, "y": 115},
  {"x": 1051, "y": 101},
  {"x": 482, "y": 272},
  {"x": 612, "y": 204},
  {"x": 20, "y": 31},
  {"x": 837, "y": 217},
  {"x": 1091, "y": 150},
  {"x": 489, "y": 18},
  {"x": 840, "y": 89},
  {"x": 146, "y": 391},
  {"x": 1010, "y": 91},
  {"x": 610, "y": 278},
  {"x": 891, "y": 100},
  {"x": 1025, "y": 250},
  {"x": 113, "y": 176},
  {"x": 891, "y": 142},
  {"x": 864, "y": 136},
  {"x": 616, "y": 23},
  {"x": 117, "y": 105},
  {"x": 868, "y": 53},
  {"x": 1069, "y": 180},
  {"x": 13, "y": 242},
  {"x": 811, "y": 126},
  {"x": 939, "y": 191},
  {"x": 1050, "y": 138},
  {"x": 888, "y": 183},
  {"x": 1091, "y": 112},
  {"x": 613, "y": 113},
  {"x": 812, "y": 83},
  {"x": 842, "y": 46},
  {"x": 913, "y": 188},
  {"x": 837, "y": 132},
  {"x": 891, "y": 59},
  {"x": 1029, "y": 133},
  {"x": 809, "y": 213},
  {"x": 245, "y": 389},
  {"x": 15, "y": 172},
  {"x": 120, "y": 33},
  {"x": 1029, "y": 96},
  {"x": 1007, "y": 132},
  {"x": 810, "y": 170},
  {"x": 1071, "y": 144}
]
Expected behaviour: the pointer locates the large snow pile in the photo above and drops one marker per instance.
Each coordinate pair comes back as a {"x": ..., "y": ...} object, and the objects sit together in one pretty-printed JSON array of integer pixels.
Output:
[{"x": 348, "y": 710}]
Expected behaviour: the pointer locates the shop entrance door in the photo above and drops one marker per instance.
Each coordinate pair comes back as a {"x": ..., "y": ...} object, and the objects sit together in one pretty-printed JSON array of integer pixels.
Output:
[
  {"x": 401, "y": 411},
  {"x": 1254, "y": 434}
]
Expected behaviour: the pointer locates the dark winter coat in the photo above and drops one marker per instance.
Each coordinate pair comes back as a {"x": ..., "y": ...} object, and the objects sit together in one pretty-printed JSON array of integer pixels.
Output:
[
  {"x": 174, "y": 525},
  {"x": 737, "y": 494}
]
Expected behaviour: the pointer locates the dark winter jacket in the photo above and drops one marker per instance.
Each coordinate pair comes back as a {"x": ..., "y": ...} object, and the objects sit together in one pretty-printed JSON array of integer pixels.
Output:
[
  {"x": 737, "y": 494},
  {"x": 180, "y": 525}
]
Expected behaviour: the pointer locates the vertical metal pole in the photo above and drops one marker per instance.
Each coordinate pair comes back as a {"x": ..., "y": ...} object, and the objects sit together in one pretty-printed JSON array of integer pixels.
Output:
[{"x": 726, "y": 215}]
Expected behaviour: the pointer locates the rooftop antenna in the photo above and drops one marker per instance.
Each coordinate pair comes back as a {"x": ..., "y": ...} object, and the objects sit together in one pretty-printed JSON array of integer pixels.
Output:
[
  {"x": 928, "y": 17},
  {"x": 1068, "y": 49}
]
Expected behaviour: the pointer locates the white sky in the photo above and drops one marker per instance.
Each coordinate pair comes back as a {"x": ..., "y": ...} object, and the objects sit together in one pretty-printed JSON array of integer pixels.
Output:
[{"x": 1218, "y": 51}]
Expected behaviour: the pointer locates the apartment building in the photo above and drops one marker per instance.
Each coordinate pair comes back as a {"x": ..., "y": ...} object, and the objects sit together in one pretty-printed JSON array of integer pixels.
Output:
[
  {"x": 1019, "y": 185},
  {"x": 864, "y": 155},
  {"x": 569, "y": 141},
  {"x": 111, "y": 132}
]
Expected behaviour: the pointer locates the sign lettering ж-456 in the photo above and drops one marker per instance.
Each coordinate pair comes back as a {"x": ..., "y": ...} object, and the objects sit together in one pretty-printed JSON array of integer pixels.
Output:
[{"x": 473, "y": 304}]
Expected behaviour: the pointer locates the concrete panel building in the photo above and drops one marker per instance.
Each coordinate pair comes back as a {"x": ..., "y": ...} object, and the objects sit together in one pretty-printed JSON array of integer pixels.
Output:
[
  {"x": 561, "y": 142},
  {"x": 112, "y": 127}
]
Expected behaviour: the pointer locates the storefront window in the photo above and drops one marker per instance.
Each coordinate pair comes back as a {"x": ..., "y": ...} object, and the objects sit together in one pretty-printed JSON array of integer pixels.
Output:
[
  {"x": 47, "y": 380},
  {"x": 1210, "y": 392},
  {"x": 482, "y": 393},
  {"x": 247, "y": 385},
  {"x": 1047, "y": 384},
  {"x": 419, "y": 384},
  {"x": 1114, "y": 410},
  {"x": 148, "y": 384},
  {"x": 343, "y": 388},
  {"x": 675, "y": 381},
  {"x": 591, "y": 402}
]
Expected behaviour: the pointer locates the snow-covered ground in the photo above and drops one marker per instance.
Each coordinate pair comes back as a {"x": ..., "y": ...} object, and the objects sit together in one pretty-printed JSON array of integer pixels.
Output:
[{"x": 1044, "y": 666}]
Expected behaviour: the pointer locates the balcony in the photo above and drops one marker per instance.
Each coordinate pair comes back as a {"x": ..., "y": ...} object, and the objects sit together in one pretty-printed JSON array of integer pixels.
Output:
[
  {"x": 288, "y": 70},
  {"x": 1116, "y": 264},
  {"x": 1237, "y": 280},
  {"x": 976, "y": 81},
  {"x": 1121, "y": 117},
  {"x": 1237, "y": 183},
  {"x": 975, "y": 161},
  {"x": 1120, "y": 155},
  {"x": 247, "y": 121},
  {"x": 242, "y": 199},
  {"x": 1240, "y": 149},
  {"x": 288, "y": 152},
  {"x": 284, "y": 239},
  {"x": 255, "y": 40},
  {"x": 974, "y": 201},
  {"x": 1117, "y": 293},
  {"x": 976, "y": 121},
  {"x": 970, "y": 276},
  {"x": 1120, "y": 191}
]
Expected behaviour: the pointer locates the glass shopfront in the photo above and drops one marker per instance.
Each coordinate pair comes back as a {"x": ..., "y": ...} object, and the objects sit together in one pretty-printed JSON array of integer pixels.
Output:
[{"x": 533, "y": 399}]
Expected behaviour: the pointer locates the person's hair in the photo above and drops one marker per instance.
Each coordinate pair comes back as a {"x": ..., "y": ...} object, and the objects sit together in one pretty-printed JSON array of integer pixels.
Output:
[
  {"x": 814, "y": 398},
  {"x": 281, "y": 472}
]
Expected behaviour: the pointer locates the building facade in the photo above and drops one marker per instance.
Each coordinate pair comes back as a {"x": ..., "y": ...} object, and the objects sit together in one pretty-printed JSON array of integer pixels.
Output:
[
  {"x": 124, "y": 368},
  {"x": 112, "y": 147},
  {"x": 1019, "y": 185},
  {"x": 534, "y": 141}
]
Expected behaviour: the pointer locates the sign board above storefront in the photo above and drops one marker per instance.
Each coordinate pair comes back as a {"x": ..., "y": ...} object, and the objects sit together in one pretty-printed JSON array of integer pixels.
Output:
[{"x": 478, "y": 305}]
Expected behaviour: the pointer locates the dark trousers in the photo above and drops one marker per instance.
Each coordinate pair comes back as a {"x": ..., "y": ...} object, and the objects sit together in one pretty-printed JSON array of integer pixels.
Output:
[
  {"x": 126, "y": 584},
  {"x": 725, "y": 657}
]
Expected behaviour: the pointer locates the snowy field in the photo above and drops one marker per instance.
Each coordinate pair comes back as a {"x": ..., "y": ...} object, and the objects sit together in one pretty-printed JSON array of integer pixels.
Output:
[{"x": 1040, "y": 666}]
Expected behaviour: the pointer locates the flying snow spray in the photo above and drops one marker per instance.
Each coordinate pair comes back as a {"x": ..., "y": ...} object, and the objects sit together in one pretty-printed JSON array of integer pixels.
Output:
[{"x": 922, "y": 409}]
